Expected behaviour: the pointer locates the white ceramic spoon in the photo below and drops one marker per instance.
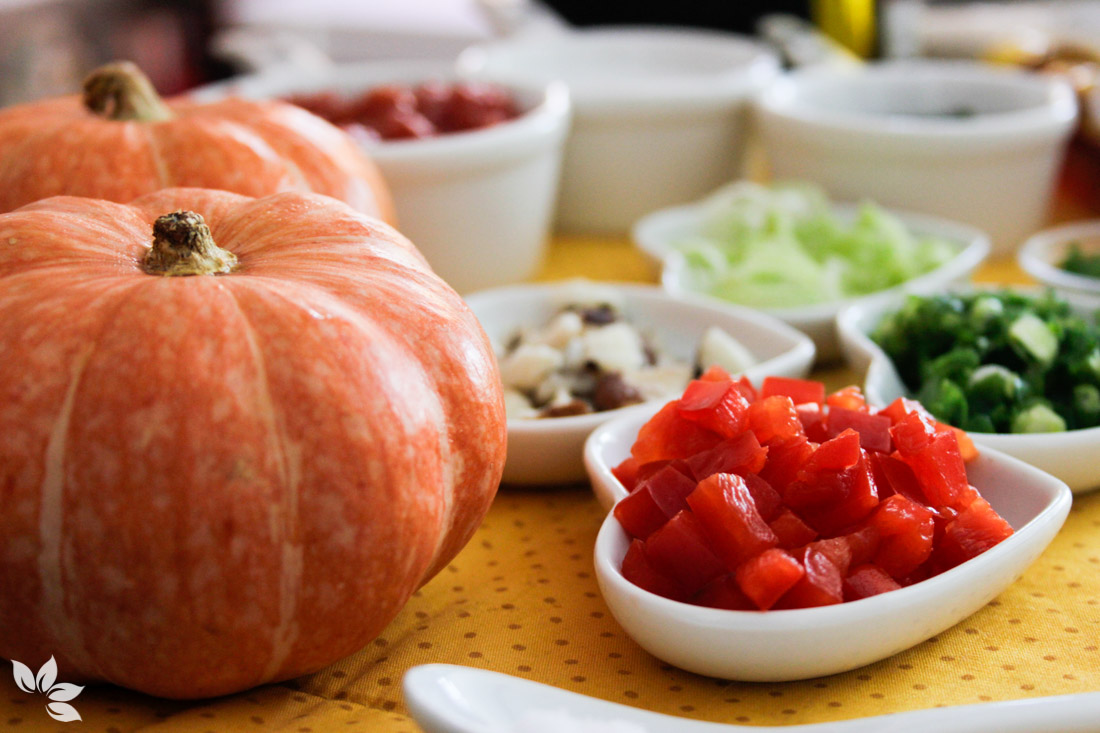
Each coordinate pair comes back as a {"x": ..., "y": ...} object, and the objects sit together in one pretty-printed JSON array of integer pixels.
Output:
[{"x": 446, "y": 698}]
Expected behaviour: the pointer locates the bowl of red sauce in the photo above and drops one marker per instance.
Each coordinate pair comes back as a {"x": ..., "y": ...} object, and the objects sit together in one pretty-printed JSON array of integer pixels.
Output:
[{"x": 473, "y": 166}]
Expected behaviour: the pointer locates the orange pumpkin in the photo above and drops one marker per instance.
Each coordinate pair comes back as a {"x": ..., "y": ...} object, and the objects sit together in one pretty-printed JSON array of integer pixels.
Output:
[
  {"x": 240, "y": 474},
  {"x": 121, "y": 141}
]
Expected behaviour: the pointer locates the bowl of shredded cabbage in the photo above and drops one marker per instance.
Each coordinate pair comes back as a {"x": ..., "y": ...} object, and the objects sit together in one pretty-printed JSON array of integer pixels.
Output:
[{"x": 788, "y": 250}]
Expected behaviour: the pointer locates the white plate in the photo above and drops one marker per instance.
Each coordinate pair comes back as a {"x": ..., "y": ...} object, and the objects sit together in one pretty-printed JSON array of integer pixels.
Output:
[
  {"x": 545, "y": 451},
  {"x": 657, "y": 233},
  {"x": 1069, "y": 455},
  {"x": 802, "y": 643}
]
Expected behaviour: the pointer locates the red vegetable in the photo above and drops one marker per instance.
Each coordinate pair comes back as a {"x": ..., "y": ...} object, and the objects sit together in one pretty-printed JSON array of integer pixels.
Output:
[{"x": 746, "y": 500}]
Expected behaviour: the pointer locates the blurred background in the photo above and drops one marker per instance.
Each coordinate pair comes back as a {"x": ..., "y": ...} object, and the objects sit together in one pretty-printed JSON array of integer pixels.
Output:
[{"x": 46, "y": 46}]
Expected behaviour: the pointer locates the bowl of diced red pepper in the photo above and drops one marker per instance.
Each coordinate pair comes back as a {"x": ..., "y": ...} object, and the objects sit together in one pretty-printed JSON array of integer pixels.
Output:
[{"x": 779, "y": 533}]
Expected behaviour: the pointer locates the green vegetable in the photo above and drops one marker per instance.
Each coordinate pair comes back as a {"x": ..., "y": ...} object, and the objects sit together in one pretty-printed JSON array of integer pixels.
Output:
[
  {"x": 1038, "y": 418},
  {"x": 997, "y": 362},
  {"x": 1078, "y": 262},
  {"x": 782, "y": 246}
]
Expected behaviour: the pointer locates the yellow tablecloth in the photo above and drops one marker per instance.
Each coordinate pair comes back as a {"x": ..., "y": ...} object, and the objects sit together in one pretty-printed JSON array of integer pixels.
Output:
[{"x": 522, "y": 599}]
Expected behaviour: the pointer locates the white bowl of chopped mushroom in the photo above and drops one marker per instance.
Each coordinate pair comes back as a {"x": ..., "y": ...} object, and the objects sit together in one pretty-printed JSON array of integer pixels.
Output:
[{"x": 574, "y": 354}]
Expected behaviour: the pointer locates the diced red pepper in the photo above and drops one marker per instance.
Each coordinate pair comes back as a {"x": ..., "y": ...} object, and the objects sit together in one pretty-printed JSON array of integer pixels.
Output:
[
  {"x": 774, "y": 418},
  {"x": 717, "y": 406},
  {"x": 785, "y": 460},
  {"x": 768, "y": 501},
  {"x": 627, "y": 473},
  {"x": 723, "y": 592},
  {"x": 863, "y": 544},
  {"x": 976, "y": 529},
  {"x": 801, "y": 391},
  {"x": 744, "y": 386},
  {"x": 715, "y": 373},
  {"x": 894, "y": 476},
  {"x": 680, "y": 551},
  {"x": 939, "y": 468},
  {"x": 850, "y": 398},
  {"x": 639, "y": 514},
  {"x": 866, "y": 581},
  {"x": 646, "y": 470},
  {"x": 813, "y": 422},
  {"x": 860, "y": 497},
  {"x": 668, "y": 435},
  {"x": 837, "y": 550},
  {"x": 741, "y": 455},
  {"x": 821, "y": 479},
  {"x": 790, "y": 530},
  {"x": 822, "y": 584},
  {"x": 967, "y": 449},
  {"x": 797, "y": 506},
  {"x": 669, "y": 489},
  {"x": 899, "y": 408},
  {"x": 836, "y": 454},
  {"x": 766, "y": 577},
  {"x": 905, "y": 529},
  {"x": 912, "y": 432},
  {"x": 639, "y": 571},
  {"x": 874, "y": 430},
  {"x": 727, "y": 511}
]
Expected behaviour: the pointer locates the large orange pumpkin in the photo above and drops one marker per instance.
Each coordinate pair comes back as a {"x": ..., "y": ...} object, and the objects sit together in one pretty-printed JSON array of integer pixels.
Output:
[
  {"x": 120, "y": 141},
  {"x": 212, "y": 481}
]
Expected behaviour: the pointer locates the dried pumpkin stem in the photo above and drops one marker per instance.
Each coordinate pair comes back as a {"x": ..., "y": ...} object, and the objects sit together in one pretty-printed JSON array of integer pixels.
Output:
[
  {"x": 182, "y": 245},
  {"x": 120, "y": 91}
]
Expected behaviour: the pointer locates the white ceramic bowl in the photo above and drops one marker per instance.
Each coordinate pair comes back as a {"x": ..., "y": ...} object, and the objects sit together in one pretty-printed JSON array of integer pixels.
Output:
[
  {"x": 477, "y": 204},
  {"x": 1042, "y": 253},
  {"x": 889, "y": 132},
  {"x": 1069, "y": 455},
  {"x": 550, "y": 450},
  {"x": 803, "y": 643},
  {"x": 660, "y": 114},
  {"x": 658, "y": 232}
]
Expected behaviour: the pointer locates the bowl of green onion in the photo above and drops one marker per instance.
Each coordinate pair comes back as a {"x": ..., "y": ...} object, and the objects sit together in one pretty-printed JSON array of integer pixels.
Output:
[
  {"x": 1018, "y": 369},
  {"x": 1065, "y": 257},
  {"x": 789, "y": 251}
]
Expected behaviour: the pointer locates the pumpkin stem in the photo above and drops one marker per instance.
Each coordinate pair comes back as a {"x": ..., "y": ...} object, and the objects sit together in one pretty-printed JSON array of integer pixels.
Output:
[
  {"x": 182, "y": 245},
  {"x": 120, "y": 91}
]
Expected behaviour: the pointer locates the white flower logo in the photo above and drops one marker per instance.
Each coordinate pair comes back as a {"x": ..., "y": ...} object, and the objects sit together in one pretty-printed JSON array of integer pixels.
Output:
[{"x": 61, "y": 693}]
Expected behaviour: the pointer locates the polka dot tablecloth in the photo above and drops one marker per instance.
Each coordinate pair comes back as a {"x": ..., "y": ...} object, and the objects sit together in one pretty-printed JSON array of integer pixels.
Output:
[{"x": 522, "y": 598}]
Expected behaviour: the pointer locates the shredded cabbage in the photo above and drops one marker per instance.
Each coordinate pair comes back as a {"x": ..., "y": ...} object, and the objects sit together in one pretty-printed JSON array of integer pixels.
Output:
[{"x": 781, "y": 246}]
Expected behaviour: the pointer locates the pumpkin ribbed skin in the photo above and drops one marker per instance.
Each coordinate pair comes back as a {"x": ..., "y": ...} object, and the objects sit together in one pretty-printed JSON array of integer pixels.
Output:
[
  {"x": 216, "y": 481},
  {"x": 255, "y": 148}
]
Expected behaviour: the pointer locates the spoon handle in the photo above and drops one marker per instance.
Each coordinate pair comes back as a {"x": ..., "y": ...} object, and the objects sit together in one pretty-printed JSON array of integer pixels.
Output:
[
  {"x": 1078, "y": 713},
  {"x": 453, "y": 699}
]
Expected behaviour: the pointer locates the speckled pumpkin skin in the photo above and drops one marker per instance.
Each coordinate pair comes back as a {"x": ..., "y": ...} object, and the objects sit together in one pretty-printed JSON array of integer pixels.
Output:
[
  {"x": 255, "y": 148},
  {"x": 212, "y": 482}
]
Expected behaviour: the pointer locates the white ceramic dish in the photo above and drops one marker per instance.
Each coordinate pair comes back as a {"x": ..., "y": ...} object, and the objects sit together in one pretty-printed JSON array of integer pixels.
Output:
[
  {"x": 550, "y": 450},
  {"x": 660, "y": 113},
  {"x": 446, "y": 698},
  {"x": 1042, "y": 253},
  {"x": 477, "y": 204},
  {"x": 1070, "y": 455},
  {"x": 812, "y": 642},
  {"x": 890, "y": 132},
  {"x": 658, "y": 232}
]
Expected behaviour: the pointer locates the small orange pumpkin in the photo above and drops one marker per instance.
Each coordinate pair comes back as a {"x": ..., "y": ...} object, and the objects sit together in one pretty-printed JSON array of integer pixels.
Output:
[
  {"x": 236, "y": 475},
  {"x": 121, "y": 141}
]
